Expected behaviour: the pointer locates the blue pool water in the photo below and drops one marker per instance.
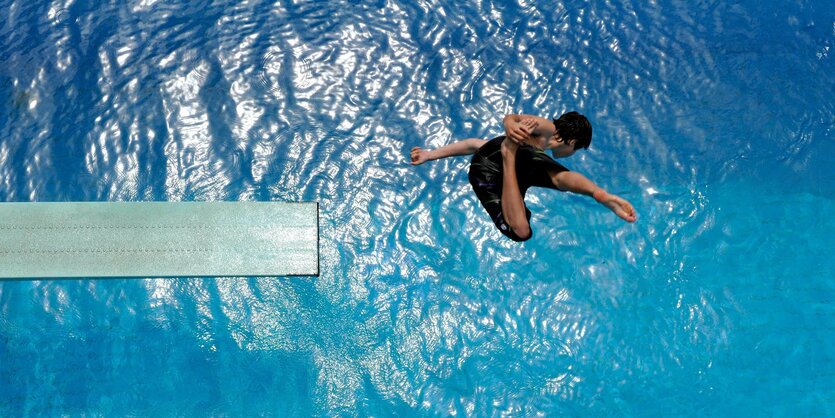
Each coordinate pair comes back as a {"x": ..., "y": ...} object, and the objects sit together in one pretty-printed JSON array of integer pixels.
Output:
[{"x": 715, "y": 119}]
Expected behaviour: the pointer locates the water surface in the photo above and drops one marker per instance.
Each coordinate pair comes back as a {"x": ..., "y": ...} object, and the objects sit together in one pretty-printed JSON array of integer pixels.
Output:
[{"x": 714, "y": 119}]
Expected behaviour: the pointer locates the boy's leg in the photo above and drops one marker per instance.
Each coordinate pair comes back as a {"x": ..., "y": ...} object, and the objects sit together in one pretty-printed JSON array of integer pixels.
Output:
[{"x": 488, "y": 191}]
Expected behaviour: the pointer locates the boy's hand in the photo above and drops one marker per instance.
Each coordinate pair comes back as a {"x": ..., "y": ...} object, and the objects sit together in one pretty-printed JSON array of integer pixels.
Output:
[
  {"x": 520, "y": 132},
  {"x": 419, "y": 156},
  {"x": 616, "y": 204},
  {"x": 530, "y": 124}
]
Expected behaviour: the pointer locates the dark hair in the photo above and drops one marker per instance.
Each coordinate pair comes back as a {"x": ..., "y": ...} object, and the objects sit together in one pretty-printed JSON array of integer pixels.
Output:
[{"x": 573, "y": 125}]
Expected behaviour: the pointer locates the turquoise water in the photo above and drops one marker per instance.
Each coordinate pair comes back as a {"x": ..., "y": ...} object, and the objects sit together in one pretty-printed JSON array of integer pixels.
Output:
[{"x": 714, "y": 119}]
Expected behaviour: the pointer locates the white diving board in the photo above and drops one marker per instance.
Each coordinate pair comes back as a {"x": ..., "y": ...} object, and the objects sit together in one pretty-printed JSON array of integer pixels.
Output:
[{"x": 158, "y": 239}]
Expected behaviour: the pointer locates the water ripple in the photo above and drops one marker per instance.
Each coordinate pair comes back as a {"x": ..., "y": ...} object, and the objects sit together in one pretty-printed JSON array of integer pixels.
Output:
[{"x": 714, "y": 119}]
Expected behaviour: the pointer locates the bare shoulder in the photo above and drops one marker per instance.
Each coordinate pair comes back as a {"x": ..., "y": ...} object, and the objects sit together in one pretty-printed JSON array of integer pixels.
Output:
[
  {"x": 544, "y": 129},
  {"x": 538, "y": 119},
  {"x": 543, "y": 125}
]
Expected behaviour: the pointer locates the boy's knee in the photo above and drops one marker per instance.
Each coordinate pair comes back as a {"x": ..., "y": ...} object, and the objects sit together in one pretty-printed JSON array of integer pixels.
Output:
[
  {"x": 520, "y": 234},
  {"x": 524, "y": 236}
]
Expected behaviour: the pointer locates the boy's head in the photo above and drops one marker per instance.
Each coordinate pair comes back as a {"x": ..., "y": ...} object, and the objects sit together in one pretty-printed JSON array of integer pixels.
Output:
[{"x": 573, "y": 131}]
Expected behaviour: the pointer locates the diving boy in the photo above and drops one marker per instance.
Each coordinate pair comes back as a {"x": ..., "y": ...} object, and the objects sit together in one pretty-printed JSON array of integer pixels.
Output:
[{"x": 503, "y": 168}]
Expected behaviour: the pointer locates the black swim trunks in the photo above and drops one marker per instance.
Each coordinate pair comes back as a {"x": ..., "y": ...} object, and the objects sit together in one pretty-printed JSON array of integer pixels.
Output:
[{"x": 485, "y": 175}]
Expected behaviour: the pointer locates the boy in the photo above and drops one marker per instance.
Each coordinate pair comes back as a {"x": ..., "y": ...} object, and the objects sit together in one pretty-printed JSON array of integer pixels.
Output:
[{"x": 503, "y": 168}]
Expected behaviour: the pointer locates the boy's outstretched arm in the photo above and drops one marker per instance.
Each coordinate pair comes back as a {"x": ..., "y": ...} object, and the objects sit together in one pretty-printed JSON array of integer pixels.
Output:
[
  {"x": 465, "y": 147},
  {"x": 577, "y": 183}
]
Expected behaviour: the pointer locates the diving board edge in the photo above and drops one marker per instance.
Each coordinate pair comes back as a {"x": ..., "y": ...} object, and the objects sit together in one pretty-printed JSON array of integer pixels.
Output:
[{"x": 72, "y": 240}]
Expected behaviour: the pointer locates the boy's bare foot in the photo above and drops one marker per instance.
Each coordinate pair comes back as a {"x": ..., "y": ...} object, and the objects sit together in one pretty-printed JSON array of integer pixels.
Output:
[
  {"x": 620, "y": 206},
  {"x": 419, "y": 156}
]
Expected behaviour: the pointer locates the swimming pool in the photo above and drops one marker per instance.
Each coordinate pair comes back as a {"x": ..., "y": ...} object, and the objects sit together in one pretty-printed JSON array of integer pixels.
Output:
[{"x": 715, "y": 120}]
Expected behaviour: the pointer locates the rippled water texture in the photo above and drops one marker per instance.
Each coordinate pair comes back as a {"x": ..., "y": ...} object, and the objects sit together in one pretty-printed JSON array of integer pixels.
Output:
[{"x": 714, "y": 119}]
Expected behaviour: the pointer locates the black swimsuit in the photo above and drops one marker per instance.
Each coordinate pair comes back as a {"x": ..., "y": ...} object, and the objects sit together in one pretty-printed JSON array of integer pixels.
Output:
[{"x": 486, "y": 177}]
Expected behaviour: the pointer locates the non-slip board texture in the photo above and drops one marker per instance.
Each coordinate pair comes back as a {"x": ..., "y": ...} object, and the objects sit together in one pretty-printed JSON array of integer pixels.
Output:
[{"x": 158, "y": 239}]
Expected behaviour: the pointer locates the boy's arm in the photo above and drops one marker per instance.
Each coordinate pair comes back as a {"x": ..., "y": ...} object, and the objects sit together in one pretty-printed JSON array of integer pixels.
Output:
[
  {"x": 578, "y": 183},
  {"x": 465, "y": 147}
]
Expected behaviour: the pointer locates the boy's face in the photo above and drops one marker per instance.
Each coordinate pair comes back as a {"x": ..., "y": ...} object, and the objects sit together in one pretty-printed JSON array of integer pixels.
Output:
[{"x": 560, "y": 148}]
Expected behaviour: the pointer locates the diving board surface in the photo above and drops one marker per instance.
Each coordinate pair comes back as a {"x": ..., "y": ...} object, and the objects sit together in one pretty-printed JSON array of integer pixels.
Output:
[{"x": 158, "y": 239}]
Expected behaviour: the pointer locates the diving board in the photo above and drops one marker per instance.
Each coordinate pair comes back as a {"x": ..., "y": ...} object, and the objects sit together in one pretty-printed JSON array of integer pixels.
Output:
[{"x": 158, "y": 239}]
